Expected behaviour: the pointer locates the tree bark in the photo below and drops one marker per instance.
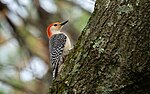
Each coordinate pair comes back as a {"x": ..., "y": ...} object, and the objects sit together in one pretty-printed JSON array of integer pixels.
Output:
[{"x": 113, "y": 53}]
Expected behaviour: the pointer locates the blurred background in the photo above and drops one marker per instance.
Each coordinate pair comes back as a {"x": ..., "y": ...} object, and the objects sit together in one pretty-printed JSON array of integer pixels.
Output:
[{"x": 24, "y": 54}]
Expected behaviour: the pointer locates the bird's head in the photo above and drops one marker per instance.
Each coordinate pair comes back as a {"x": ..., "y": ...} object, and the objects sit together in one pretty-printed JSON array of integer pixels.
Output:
[{"x": 55, "y": 28}]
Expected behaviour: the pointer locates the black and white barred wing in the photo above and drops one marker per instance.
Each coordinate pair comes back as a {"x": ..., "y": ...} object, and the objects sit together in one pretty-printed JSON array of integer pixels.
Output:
[{"x": 56, "y": 46}]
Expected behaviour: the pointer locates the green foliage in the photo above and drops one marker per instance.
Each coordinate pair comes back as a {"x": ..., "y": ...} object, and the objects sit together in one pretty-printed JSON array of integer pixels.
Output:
[
  {"x": 2, "y": 92},
  {"x": 80, "y": 22}
]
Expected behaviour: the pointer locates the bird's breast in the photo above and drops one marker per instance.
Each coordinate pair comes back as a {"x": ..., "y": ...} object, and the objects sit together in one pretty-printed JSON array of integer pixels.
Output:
[{"x": 67, "y": 47}]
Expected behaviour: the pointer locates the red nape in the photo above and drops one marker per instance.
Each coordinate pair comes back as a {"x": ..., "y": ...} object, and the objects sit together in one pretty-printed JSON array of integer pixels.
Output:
[{"x": 49, "y": 33}]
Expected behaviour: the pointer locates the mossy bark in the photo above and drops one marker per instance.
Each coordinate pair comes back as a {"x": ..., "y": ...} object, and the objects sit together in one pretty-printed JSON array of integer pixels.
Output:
[{"x": 113, "y": 53}]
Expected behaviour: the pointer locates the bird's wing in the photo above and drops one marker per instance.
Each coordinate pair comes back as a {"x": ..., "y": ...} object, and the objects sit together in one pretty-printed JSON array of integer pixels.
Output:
[{"x": 56, "y": 46}]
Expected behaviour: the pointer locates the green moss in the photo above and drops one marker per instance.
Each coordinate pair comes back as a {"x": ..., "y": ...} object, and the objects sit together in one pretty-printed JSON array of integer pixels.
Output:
[
  {"x": 78, "y": 57},
  {"x": 85, "y": 55},
  {"x": 67, "y": 83},
  {"x": 110, "y": 24},
  {"x": 97, "y": 44},
  {"x": 107, "y": 3},
  {"x": 137, "y": 2},
  {"x": 75, "y": 68},
  {"x": 124, "y": 9}
]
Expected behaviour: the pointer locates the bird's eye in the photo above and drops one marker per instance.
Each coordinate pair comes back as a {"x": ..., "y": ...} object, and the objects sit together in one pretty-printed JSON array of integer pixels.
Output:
[{"x": 55, "y": 24}]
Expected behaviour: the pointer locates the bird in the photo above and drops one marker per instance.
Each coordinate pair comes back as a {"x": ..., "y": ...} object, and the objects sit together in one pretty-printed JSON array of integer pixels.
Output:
[{"x": 59, "y": 45}]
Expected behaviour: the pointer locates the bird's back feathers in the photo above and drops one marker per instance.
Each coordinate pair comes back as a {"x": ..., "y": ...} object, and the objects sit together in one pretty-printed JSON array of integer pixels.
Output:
[{"x": 56, "y": 46}]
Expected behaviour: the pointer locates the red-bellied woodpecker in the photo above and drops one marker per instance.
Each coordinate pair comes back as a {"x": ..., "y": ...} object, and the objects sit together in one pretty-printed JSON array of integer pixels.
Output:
[{"x": 59, "y": 45}]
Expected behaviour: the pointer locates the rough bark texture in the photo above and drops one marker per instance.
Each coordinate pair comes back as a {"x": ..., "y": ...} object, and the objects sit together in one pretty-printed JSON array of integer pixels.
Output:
[{"x": 113, "y": 52}]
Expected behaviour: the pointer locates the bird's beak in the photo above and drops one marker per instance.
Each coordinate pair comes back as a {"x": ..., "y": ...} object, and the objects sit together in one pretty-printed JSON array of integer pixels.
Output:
[{"x": 63, "y": 23}]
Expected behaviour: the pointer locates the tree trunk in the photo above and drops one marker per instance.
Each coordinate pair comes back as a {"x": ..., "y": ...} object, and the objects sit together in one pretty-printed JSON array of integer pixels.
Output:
[{"x": 113, "y": 53}]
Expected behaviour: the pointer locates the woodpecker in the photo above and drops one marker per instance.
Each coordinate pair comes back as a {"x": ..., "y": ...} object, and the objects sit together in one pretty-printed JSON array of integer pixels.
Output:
[{"x": 59, "y": 45}]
